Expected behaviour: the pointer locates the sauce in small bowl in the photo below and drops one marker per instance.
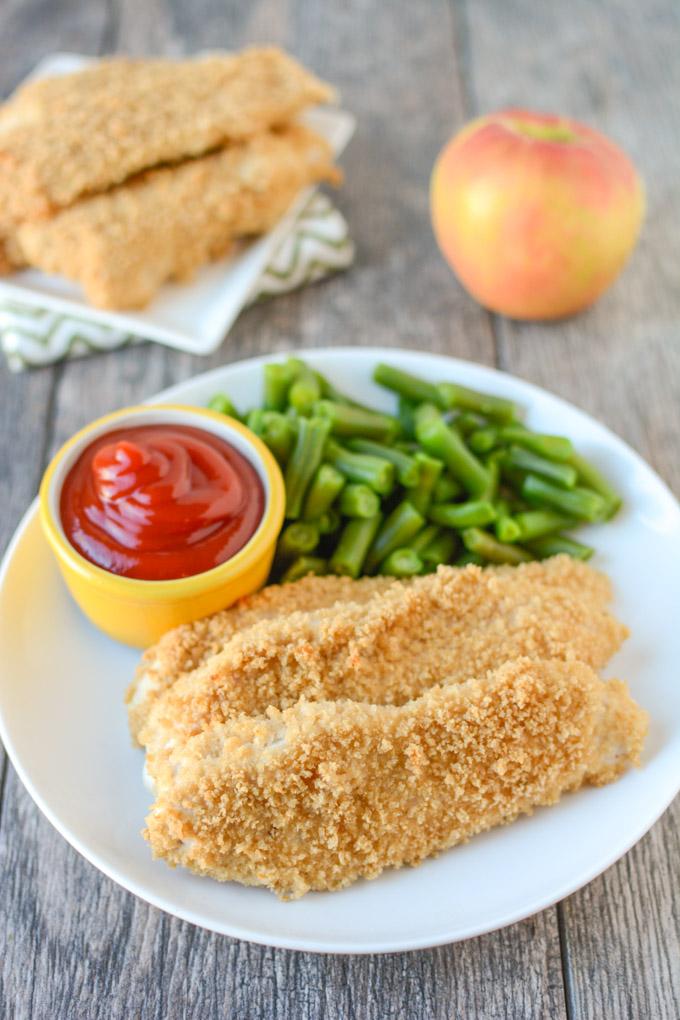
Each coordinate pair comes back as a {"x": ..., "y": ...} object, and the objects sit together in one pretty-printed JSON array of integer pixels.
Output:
[{"x": 159, "y": 515}]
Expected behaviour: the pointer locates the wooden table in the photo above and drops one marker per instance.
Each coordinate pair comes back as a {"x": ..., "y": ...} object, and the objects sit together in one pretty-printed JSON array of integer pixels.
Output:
[{"x": 74, "y": 945}]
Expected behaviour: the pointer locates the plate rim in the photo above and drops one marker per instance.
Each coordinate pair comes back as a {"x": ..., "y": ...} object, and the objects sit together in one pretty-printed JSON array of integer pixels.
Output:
[{"x": 310, "y": 944}]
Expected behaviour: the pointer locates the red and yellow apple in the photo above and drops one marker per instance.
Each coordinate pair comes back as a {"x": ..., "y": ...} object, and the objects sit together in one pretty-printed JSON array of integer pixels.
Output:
[{"x": 536, "y": 214}]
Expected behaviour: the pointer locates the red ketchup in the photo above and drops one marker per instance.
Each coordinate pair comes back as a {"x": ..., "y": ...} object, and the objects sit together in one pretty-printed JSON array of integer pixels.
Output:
[{"x": 160, "y": 501}]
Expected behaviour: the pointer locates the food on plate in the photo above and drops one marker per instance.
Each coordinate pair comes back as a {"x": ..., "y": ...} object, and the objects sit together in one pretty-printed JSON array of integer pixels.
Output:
[
  {"x": 455, "y": 476},
  {"x": 386, "y": 648},
  {"x": 535, "y": 213},
  {"x": 132, "y": 173},
  {"x": 321, "y": 794},
  {"x": 158, "y": 502},
  {"x": 121, "y": 246},
  {"x": 70, "y": 136}
]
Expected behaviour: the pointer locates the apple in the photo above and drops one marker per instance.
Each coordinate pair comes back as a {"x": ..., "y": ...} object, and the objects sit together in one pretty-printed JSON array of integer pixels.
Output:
[{"x": 535, "y": 213}]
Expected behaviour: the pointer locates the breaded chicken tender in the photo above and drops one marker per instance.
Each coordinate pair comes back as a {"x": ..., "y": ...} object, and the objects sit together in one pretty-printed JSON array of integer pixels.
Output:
[
  {"x": 63, "y": 138},
  {"x": 320, "y": 795},
  {"x": 404, "y": 639},
  {"x": 121, "y": 246}
]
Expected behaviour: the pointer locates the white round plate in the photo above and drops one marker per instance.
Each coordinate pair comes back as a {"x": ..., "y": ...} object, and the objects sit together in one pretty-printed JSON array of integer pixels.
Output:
[{"x": 64, "y": 726}]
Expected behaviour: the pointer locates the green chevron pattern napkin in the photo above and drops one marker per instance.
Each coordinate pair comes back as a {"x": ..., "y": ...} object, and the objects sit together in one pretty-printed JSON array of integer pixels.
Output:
[{"x": 317, "y": 246}]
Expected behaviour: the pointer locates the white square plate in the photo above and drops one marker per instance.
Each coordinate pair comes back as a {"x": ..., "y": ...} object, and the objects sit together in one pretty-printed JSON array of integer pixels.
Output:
[{"x": 193, "y": 317}]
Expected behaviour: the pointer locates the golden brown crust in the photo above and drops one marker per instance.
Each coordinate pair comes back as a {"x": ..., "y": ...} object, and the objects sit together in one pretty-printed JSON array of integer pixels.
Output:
[
  {"x": 65, "y": 137},
  {"x": 322, "y": 794},
  {"x": 121, "y": 246},
  {"x": 404, "y": 639}
]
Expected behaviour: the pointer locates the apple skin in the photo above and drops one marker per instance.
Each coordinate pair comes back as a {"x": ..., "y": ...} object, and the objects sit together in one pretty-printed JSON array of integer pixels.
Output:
[{"x": 536, "y": 214}]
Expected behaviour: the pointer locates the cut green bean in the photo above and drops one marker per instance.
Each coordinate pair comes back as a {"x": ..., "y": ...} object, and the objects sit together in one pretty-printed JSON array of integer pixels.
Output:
[
  {"x": 507, "y": 529},
  {"x": 297, "y": 538},
  {"x": 346, "y": 421},
  {"x": 278, "y": 432},
  {"x": 221, "y": 403},
  {"x": 358, "y": 500},
  {"x": 466, "y": 423},
  {"x": 443, "y": 442},
  {"x": 440, "y": 550},
  {"x": 583, "y": 504},
  {"x": 406, "y": 385},
  {"x": 278, "y": 377},
  {"x": 350, "y": 552},
  {"x": 493, "y": 476},
  {"x": 558, "y": 472},
  {"x": 537, "y": 523},
  {"x": 402, "y": 563},
  {"x": 324, "y": 489},
  {"x": 329, "y": 521},
  {"x": 406, "y": 414},
  {"x": 446, "y": 489},
  {"x": 552, "y": 447},
  {"x": 397, "y": 530},
  {"x": 304, "y": 565},
  {"x": 303, "y": 462},
  {"x": 429, "y": 472},
  {"x": 483, "y": 440},
  {"x": 593, "y": 479},
  {"x": 491, "y": 550},
  {"x": 424, "y": 537},
  {"x": 467, "y": 558},
  {"x": 554, "y": 545},
  {"x": 255, "y": 420},
  {"x": 304, "y": 392},
  {"x": 405, "y": 466},
  {"x": 361, "y": 467},
  {"x": 451, "y": 395},
  {"x": 473, "y": 514}
]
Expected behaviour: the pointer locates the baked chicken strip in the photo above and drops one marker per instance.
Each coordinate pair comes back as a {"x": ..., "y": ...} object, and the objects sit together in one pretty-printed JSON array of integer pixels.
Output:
[
  {"x": 121, "y": 246},
  {"x": 65, "y": 137},
  {"x": 320, "y": 795},
  {"x": 455, "y": 623}
]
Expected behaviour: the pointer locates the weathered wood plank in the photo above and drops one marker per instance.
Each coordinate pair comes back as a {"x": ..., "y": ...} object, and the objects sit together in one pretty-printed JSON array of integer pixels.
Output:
[{"x": 615, "y": 66}]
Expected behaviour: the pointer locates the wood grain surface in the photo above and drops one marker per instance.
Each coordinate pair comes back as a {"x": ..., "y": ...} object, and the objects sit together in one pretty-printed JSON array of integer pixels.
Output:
[{"x": 72, "y": 944}]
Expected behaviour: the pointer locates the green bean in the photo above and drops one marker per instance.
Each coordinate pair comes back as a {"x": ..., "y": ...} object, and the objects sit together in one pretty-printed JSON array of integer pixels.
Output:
[
  {"x": 221, "y": 402},
  {"x": 355, "y": 421},
  {"x": 353, "y": 544},
  {"x": 329, "y": 521},
  {"x": 536, "y": 523},
  {"x": 496, "y": 408},
  {"x": 552, "y": 447},
  {"x": 303, "y": 462},
  {"x": 429, "y": 471},
  {"x": 593, "y": 479},
  {"x": 491, "y": 550},
  {"x": 405, "y": 466},
  {"x": 440, "y": 550},
  {"x": 278, "y": 377},
  {"x": 255, "y": 420},
  {"x": 406, "y": 385},
  {"x": 466, "y": 558},
  {"x": 360, "y": 467},
  {"x": 325, "y": 487},
  {"x": 473, "y": 514},
  {"x": 402, "y": 563},
  {"x": 303, "y": 566},
  {"x": 507, "y": 529},
  {"x": 437, "y": 439},
  {"x": 583, "y": 504},
  {"x": 358, "y": 500},
  {"x": 554, "y": 545},
  {"x": 483, "y": 440},
  {"x": 406, "y": 414},
  {"x": 278, "y": 432},
  {"x": 329, "y": 392},
  {"x": 446, "y": 490},
  {"x": 466, "y": 423},
  {"x": 396, "y": 531},
  {"x": 558, "y": 472},
  {"x": 424, "y": 537},
  {"x": 304, "y": 392},
  {"x": 298, "y": 537},
  {"x": 493, "y": 474}
]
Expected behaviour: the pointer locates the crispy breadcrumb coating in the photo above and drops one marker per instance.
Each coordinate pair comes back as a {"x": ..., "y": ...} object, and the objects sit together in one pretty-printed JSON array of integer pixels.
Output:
[
  {"x": 121, "y": 246},
  {"x": 455, "y": 624},
  {"x": 322, "y": 794},
  {"x": 65, "y": 137}
]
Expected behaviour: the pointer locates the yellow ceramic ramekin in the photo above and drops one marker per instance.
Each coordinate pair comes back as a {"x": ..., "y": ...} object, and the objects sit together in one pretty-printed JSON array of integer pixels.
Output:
[{"x": 139, "y": 612}]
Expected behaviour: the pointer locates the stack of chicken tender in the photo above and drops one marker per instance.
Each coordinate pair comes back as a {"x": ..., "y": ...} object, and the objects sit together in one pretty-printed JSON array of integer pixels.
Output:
[
  {"x": 131, "y": 173},
  {"x": 321, "y": 731}
]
